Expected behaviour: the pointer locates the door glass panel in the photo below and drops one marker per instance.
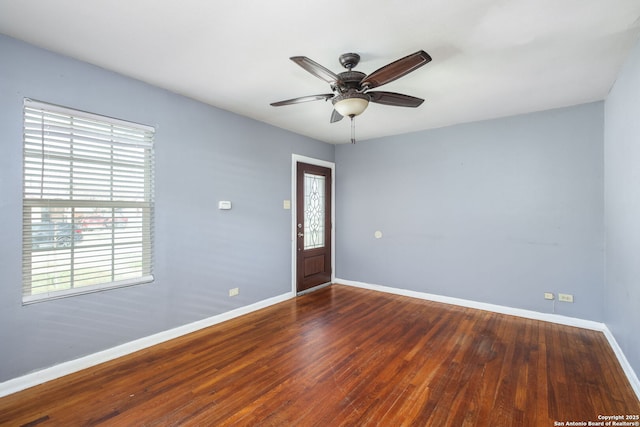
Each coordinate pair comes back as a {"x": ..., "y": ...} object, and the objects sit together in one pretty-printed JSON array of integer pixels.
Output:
[{"x": 314, "y": 211}]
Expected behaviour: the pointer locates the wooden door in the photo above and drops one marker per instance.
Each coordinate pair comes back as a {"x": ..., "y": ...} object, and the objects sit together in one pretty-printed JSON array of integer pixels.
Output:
[{"x": 313, "y": 226}]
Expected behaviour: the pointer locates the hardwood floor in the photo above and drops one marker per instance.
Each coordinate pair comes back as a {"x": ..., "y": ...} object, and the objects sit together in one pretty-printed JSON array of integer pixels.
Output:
[{"x": 344, "y": 356}]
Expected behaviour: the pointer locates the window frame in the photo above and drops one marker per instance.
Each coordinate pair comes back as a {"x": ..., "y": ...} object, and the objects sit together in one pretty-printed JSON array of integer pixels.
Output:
[{"x": 141, "y": 199}]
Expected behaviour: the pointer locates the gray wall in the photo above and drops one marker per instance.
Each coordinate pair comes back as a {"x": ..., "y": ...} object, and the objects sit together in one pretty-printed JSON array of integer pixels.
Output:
[
  {"x": 622, "y": 209},
  {"x": 203, "y": 155},
  {"x": 497, "y": 211}
]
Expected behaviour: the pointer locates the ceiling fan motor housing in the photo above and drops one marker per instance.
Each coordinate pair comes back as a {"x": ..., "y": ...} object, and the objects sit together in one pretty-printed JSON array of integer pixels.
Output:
[{"x": 349, "y": 80}]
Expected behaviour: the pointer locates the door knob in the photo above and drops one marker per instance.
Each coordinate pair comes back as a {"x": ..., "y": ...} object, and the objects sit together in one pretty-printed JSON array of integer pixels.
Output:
[{"x": 300, "y": 234}]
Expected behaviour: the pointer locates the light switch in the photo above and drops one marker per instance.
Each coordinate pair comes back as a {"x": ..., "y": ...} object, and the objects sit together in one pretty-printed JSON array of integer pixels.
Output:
[
  {"x": 286, "y": 204},
  {"x": 224, "y": 204}
]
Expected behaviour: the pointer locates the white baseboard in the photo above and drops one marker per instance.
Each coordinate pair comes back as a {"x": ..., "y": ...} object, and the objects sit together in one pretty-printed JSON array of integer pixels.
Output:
[
  {"x": 624, "y": 363},
  {"x": 528, "y": 314},
  {"x": 66, "y": 368}
]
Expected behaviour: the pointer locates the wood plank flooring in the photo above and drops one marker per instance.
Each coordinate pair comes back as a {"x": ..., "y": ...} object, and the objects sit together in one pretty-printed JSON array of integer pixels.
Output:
[{"x": 344, "y": 356}]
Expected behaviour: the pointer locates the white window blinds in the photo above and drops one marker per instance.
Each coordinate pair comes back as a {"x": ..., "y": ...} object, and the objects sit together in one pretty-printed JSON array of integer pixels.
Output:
[{"x": 87, "y": 204}]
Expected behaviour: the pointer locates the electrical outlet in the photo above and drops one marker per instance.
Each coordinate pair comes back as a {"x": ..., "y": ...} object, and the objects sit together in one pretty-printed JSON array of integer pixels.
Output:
[
  {"x": 565, "y": 297},
  {"x": 549, "y": 295},
  {"x": 233, "y": 292}
]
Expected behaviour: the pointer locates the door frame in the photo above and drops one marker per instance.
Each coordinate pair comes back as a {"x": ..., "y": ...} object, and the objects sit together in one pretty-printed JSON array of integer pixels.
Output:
[{"x": 295, "y": 159}]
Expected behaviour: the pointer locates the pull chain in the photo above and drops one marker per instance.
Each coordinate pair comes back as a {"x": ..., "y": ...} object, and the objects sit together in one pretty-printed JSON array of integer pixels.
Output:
[{"x": 353, "y": 131}]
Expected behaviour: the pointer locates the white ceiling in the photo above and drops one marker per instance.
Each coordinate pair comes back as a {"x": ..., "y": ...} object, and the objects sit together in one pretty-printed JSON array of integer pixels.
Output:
[{"x": 491, "y": 58}]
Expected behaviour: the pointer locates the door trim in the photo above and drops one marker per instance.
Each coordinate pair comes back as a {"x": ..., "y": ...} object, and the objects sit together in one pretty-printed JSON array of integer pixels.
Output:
[{"x": 295, "y": 159}]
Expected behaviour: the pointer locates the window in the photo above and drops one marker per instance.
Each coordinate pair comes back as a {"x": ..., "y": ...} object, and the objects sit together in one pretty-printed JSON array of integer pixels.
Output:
[
  {"x": 314, "y": 208},
  {"x": 87, "y": 202}
]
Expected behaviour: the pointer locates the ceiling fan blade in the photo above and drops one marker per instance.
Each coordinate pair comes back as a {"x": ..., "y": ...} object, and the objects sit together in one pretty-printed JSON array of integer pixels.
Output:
[
  {"x": 396, "y": 69},
  {"x": 315, "y": 69},
  {"x": 325, "y": 96},
  {"x": 395, "y": 99},
  {"x": 335, "y": 116}
]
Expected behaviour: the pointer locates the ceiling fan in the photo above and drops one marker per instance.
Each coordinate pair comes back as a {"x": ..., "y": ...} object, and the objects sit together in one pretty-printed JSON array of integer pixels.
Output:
[{"x": 351, "y": 89}]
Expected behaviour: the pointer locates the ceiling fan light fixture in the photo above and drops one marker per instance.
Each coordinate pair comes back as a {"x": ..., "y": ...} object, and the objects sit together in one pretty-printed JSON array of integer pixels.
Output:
[{"x": 351, "y": 105}]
